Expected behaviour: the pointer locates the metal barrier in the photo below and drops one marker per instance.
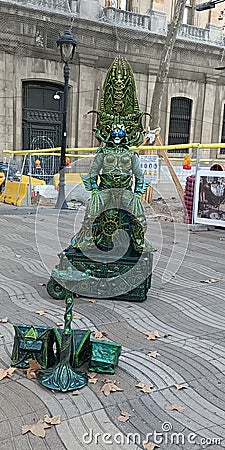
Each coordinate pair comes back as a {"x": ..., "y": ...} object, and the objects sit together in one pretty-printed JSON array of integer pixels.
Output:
[{"x": 44, "y": 163}]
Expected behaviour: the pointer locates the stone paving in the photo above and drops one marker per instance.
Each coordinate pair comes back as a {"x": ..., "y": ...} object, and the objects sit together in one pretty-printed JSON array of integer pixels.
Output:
[{"x": 180, "y": 306}]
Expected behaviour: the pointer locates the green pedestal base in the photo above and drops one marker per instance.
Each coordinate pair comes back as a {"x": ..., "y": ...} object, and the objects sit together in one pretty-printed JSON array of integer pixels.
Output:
[
  {"x": 128, "y": 278},
  {"x": 62, "y": 378}
]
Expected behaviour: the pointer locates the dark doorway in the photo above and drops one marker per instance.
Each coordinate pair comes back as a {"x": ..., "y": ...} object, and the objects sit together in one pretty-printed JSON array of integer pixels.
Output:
[{"x": 42, "y": 124}]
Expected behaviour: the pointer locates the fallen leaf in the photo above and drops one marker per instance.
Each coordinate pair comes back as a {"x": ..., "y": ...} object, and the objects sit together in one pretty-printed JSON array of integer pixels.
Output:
[
  {"x": 100, "y": 334},
  {"x": 41, "y": 284},
  {"x": 110, "y": 386},
  {"x": 59, "y": 324},
  {"x": 10, "y": 372},
  {"x": 38, "y": 429},
  {"x": 211, "y": 280},
  {"x": 40, "y": 312},
  {"x": 176, "y": 407},
  {"x": 153, "y": 354},
  {"x": 31, "y": 374},
  {"x": 147, "y": 388},
  {"x": 93, "y": 380},
  {"x": 55, "y": 420},
  {"x": 180, "y": 386},
  {"x": 149, "y": 445},
  {"x": 92, "y": 301},
  {"x": 76, "y": 316},
  {"x": 124, "y": 416},
  {"x": 140, "y": 385},
  {"x": 152, "y": 335},
  {"x": 7, "y": 372},
  {"x": 34, "y": 368},
  {"x": 34, "y": 365},
  {"x": 75, "y": 392},
  {"x": 4, "y": 320},
  {"x": 92, "y": 374}
]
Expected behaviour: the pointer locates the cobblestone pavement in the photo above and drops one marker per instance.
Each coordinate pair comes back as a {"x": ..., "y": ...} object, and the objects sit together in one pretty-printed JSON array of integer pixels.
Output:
[{"x": 187, "y": 313}]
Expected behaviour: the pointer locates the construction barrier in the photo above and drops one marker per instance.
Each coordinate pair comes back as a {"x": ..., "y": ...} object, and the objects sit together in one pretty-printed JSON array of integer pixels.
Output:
[
  {"x": 15, "y": 193},
  {"x": 34, "y": 181},
  {"x": 70, "y": 178}
]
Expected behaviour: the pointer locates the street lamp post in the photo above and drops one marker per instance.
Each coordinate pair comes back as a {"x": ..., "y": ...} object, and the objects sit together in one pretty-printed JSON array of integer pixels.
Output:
[{"x": 67, "y": 43}]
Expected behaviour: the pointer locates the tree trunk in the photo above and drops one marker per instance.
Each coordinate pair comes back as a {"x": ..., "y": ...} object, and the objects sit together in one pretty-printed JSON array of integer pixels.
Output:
[{"x": 164, "y": 64}]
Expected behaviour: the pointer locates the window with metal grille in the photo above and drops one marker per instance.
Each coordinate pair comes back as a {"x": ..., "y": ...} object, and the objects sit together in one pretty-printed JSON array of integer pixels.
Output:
[
  {"x": 222, "y": 150},
  {"x": 180, "y": 121}
]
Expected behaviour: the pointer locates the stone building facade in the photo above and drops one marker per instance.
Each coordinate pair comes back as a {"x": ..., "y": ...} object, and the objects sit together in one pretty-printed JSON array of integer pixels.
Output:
[{"x": 31, "y": 71}]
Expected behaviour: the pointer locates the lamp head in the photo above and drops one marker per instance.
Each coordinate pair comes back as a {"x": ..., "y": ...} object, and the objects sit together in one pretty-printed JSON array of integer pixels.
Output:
[
  {"x": 57, "y": 95},
  {"x": 67, "y": 43},
  {"x": 205, "y": 6}
]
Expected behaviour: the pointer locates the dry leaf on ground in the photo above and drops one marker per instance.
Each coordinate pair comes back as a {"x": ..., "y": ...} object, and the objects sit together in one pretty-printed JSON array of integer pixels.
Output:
[
  {"x": 175, "y": 407},
  {"x": 4, "y": 320},
  {"x": 92, "y": 300},
  {"x": 92, "y": 374},
  {"x": 41, "y": 312},
  {"x": 75, "y": 392},
  {"x": 124, "y": 416},
  {"x": 55, "y": 420},
  {"x": 180, "y": 386},
  {"x": 153, "y": 354},
  {"x": 167, "y": 335},
  {"x": 76, "y": 316},
  {"x": 93, "y": 380},
  {"x": 100, "y": 335},
  {"x": 211, "y": 280},
  {"x": 149, "y": 445},
  {"x": 147, "y": 388},
  {"x": 152, "y": 335},
  {"x": 110, "y": 386},
  {"x": 38, "y": 429},
  {"x": 32, "y": 371},
  {"x": 7, "y": 373}
]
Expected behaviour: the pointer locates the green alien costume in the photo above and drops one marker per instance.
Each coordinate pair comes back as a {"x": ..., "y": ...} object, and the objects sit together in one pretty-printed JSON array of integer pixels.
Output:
[{"x": 110, "y": 255}]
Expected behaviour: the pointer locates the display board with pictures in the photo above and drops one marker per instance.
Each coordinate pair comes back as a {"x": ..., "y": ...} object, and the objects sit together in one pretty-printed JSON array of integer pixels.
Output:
[
  {"x": 209, "y": 201},
  {"x": 150, "y": 168}
]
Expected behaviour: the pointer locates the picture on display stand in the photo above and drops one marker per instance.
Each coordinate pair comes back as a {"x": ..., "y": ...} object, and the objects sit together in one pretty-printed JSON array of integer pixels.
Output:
[{"x": 209, "y": 202}]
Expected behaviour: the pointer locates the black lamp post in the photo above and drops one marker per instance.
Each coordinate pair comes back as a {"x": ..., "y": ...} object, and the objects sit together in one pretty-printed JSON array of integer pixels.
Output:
[{"x": 67, "y": 43}]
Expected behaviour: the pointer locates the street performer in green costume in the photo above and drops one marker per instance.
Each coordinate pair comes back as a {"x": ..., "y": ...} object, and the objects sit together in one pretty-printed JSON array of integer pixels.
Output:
[{"x": 115, "y": 180}]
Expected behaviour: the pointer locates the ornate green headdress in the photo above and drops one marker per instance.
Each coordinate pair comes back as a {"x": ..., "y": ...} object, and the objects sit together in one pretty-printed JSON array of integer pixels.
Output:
[{"x": 119, "y": 104}]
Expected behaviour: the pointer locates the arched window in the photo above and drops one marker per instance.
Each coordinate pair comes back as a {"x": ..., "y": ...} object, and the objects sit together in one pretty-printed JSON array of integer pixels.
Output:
[{"x": 180, "y": 121}]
